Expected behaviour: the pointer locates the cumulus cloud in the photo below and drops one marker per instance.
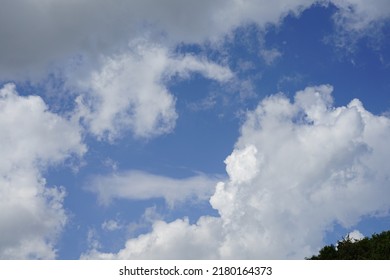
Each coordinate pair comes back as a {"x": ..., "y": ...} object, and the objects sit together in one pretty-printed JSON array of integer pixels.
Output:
[
  {"x": 176, "y": 240},
  {"x": 138, "y": 185},
  {"x": 242, "y": 166},
  {"x": 123, "y": 86},
  {"x": 298, "y": 168},
  {"x": 129, "y": 91},
  {"x": 354, "y": 236},
  {"x": 30, "y": 132},
  {"x": 119, "y": 81},
  {"x": 32, "y": 138}
]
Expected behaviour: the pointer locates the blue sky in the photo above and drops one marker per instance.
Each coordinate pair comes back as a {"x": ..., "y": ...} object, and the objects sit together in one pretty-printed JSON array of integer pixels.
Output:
[{"x": 201, "y": 130}]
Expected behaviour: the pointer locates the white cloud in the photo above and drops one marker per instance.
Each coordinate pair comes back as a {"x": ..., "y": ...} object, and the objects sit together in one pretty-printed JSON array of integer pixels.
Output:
[
  {"x": 242, "y": 166},
  {"x": 35, "y": 33},
  {"x": 270, "y": 55},
  {"x": 357, "y": 15},
  {"x": 354, "y": 236},
  {"x": 31, "y": 137},
  {"x": 30, "y": 132},
  {"x": 357, "y": 19},
  {"x": 124, "y": 87},
  {"x": 310, "y": 165},
  {"x": 129, "y": 92},
  {"x": 176, "y": 240},
  {"x": 138, "y": 185}
]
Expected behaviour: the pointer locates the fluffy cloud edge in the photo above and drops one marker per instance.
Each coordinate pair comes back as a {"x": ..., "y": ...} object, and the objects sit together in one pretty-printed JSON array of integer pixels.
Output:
[
  {"x": 33, "y": 138},
  {"x": 310, "y": 165},
  {"x": 129, "y": 92}
]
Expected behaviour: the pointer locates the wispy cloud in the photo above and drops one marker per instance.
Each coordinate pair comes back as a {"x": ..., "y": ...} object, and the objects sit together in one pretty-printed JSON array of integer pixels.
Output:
[
  {"x": 138, "y": 185},
  {"x": 270, "y": 56}
]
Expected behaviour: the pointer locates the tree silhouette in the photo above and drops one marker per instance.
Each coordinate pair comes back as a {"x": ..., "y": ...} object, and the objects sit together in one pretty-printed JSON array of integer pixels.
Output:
[{"x": 375, "y": 248}]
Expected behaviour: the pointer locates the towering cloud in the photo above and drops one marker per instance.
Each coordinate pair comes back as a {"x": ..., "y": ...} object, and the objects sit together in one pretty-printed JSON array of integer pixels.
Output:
[{"x": 297, "y": 169}]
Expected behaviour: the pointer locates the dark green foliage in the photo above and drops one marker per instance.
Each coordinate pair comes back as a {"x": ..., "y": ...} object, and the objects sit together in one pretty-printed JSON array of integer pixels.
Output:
[{"x": 375, "y": 248}]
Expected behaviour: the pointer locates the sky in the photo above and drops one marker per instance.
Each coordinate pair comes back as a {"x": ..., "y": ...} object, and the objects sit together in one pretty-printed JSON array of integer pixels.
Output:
[{"x": 192, "y": 129}]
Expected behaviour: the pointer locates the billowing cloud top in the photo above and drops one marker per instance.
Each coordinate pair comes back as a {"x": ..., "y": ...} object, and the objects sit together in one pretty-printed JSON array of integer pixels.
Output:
[{"x": 297, "y": 169}]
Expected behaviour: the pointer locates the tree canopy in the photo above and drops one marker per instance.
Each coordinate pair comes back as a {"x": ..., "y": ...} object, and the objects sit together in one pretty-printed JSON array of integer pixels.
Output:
[{"x": 375, "y": 248}]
